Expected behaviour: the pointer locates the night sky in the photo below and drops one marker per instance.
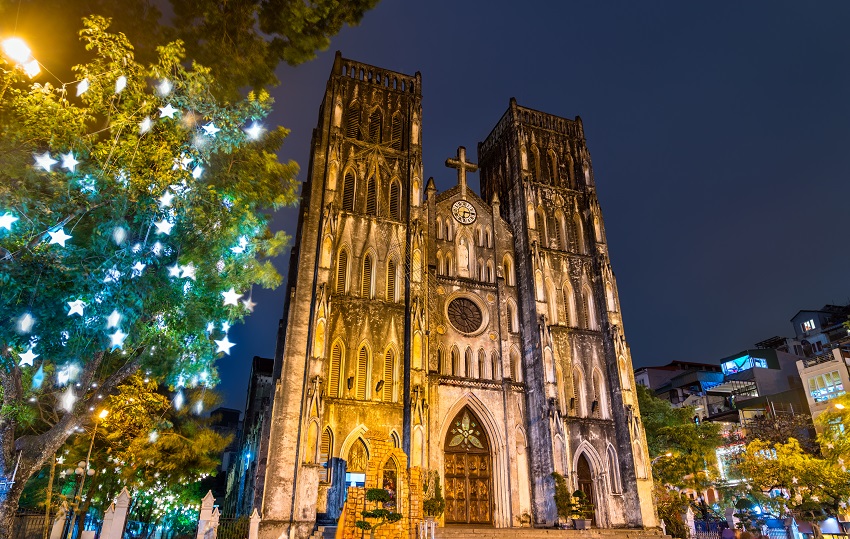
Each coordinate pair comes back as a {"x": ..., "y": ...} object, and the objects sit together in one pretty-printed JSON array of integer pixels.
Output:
[
  {"x": 719, "y": 132},
  {"x": 720, "y": 138}
]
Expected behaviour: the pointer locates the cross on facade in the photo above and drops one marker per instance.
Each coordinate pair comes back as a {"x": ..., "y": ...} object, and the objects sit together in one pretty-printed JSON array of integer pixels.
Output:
[{"x": 462, "y": 165}]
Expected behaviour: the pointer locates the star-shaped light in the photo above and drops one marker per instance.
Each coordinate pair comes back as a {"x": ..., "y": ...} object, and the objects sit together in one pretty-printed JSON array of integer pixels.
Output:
[
  {"x": 153, "y": 436},
  {"x": 255, "y": 131},
  {"x": 45, "y": 161},
  {"x": 211, "y": 129},
  {"x": 165, "y": 199},
  {"x": 69, "y": 162},
  {"x": 145, "y": 125},
  {"x": 59, "y": 237},
  {"x": 68, "y": 399},
  {"x": 25, "y": 323},
  {"x": 188, "y": 271},
  {"x": 163, "y": 227},
  {"x": 82, "y": 87},
  {"x": 225, "y": 327},
  {"x": 6, "y": 220},
  {"x": 210, "y": 327},
  {"x": 197, "y": 171},
  {"x": 60, "y": 460},
  {"x": 27, "y": 357},
  {"x": 62, "y": 474},
  {"x": 174, "y": 271},
  {"x": 224, "y": 345},
  {"x": 249, "y": 305},
  {"x": 76, "y": 307},
  {"x": 113, "y": 319},
  {"x": 120, "y": 84},
  {"x": 138, "y": 267},
  {"x": 164, "y": 87},
  {"x": 117, "y": 339},
  {"x": 112, "y": 275},
  {"x": 167, "y": 111},
  {"x": 231, "y": 297}
]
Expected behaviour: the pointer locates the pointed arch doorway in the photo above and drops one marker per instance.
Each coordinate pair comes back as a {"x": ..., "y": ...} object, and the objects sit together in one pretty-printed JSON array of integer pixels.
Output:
[
  {"x": 584, "y": 478},
  {"x": 468, "y": 471}
]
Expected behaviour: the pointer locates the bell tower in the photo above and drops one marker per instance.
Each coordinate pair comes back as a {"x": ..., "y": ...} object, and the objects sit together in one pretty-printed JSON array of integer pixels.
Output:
[{"x": 576, "y": 365}]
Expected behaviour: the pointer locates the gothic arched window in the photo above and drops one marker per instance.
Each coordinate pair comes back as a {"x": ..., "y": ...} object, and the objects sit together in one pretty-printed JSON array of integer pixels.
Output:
[
  {"x": 341, "y": 271},
  {"x": 467, "y": 363},
  {"x": 334, "y": 370},
  {"x": 362, "y": 376},
  {"x": 348, "y": 192},
  {"x": 397, "y": 143},
  {"x": 395, "y": 201},
  {"x": 366, "y": 278},
  {"x": 389, "y": 376},
  {"x": 376, "y": 127},
  {"x": 455, "y": 361},
  {"x": 325, "y": 451},
  {"x": 352, "y": 121},
  {"x": 371, "y": 197},
  {"x": 482, "y": 364},
  {"x": 391, "y": 281},
  {"x": 494, "y": 367}
]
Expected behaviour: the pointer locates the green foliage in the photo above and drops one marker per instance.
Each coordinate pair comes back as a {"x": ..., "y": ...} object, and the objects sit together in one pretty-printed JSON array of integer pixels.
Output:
[
  {"x": 671, "y": 505},
  {"x": 435, "y": 504},
  {"x": 692, "y": 463},
  {"x": 384, "y": 516},
  {"x": 243, "y": 42}
]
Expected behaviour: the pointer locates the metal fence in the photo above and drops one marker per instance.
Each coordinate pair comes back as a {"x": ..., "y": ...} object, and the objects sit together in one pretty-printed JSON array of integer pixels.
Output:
[
  {"x": 29, "y": 524},
  {"x": 233, "y": 528}
]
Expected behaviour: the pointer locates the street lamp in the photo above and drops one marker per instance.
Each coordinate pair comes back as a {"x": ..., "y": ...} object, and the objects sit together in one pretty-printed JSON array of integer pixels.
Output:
[
  {"x": 84, "y": 469},
  {"x": 17, "y": 50}
]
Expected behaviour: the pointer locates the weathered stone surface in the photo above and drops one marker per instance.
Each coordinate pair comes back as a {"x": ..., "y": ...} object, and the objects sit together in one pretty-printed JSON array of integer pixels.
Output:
[{"x": 480, "y": 336}]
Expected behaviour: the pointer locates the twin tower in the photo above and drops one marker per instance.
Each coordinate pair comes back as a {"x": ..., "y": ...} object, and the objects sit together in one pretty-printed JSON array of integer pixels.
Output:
[{"x": 479, "y": 333}]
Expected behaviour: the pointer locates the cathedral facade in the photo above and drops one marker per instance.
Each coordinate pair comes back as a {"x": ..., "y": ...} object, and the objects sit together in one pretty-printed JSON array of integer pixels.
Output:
[{"x": 479, "y": 333}]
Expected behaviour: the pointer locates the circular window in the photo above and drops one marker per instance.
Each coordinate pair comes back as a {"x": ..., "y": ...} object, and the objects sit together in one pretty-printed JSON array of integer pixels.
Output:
[{"x": 465, "y": 315}]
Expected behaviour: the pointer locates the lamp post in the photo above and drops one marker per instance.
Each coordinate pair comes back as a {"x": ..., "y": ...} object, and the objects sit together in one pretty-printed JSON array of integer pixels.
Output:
[
  {"x": 667, "y": 454},
  {"x": 84, "y": 469}
]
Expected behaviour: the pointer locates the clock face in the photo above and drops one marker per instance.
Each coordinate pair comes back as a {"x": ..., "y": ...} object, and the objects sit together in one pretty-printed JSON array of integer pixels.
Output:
[
  {"x": 464, "y": 212},
  {"x": 465, "y": 315}
]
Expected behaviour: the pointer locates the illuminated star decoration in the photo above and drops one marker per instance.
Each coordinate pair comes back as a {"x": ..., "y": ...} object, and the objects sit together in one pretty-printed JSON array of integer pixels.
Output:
[
  {"x": 249, "y": 304},
  {"x": 60, "y": 460},
  {"x": 197, "y": 171},
  {"x": 153, "y": 436},
  {"x": 112, "y": 275},
  {"x": 59, "y": 237},
  {"x": 174, "y": 271},
  {"x": 113, "y": 319},
  {"x": 137, "y": 269},
  {"x": 69, "y": 162},
  {"x": 188, "y": 271},
  {"x": 27, "y": 357},
  {"x": 224, "y": 345},
  {"x": 76, "y": 307},
  {"x": 6, "y": 220},
  {"x": 62, "y": 474},
  {"x": 82, "y": 87},
  {"x": 145, "y": 125},
  {"x": 164, "y": 87},
  {"x": 255, "y": 131},
  {"x": 68, "y": 399},
  {"x": 211, "y": 129},
  {"x": 178, "y": 400},
  {"x": 163, "y": 227},
  {"x": 25, "y": 323},
  {"x": 167, "y": 111},
  {"x": 165, "y": 199},
  {"x": 45, "y": 161},
  {"x": 120, "y": 84},
  {"x": 231, "y": 297},
  {"x": 117, "y": 339}
]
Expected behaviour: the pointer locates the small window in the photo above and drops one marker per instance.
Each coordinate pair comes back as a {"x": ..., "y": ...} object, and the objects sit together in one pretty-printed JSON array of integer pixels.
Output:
[
  {"x": 391, "y": 281},
  {"x": 341, "y": 271},
  {"x": 809, "y": 325},
  {"x": 352, "y": 120},
  {"x": 397, "y": 132},
  {"x": 395, "y": 201},
  {"x": 375, "y": 126},
  {"x": 366, "y": 282},
  {"x": 348, "y": 192},
  {"x": 371, "y": 197}
]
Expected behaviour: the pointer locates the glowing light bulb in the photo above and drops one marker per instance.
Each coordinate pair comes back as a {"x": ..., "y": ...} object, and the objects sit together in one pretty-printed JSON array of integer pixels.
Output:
[{"x": 16, "y": 49}]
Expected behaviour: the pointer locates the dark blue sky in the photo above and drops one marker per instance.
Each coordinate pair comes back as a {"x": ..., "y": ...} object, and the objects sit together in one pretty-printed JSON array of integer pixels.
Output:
[{"x": 719, "y": 132}]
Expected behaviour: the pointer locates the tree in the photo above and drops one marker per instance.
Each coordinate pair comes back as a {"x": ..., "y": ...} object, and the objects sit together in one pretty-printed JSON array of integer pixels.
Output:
[
  {"x": 137, "y": 250},
  {"x": 380, "y": 497},
  {"x": 243, "y": 42},
  {"x": 779, "y": 427}
]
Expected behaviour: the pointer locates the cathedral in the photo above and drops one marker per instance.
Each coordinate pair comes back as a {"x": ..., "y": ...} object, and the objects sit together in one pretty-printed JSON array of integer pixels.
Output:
[{"x": 480, "y": 333}]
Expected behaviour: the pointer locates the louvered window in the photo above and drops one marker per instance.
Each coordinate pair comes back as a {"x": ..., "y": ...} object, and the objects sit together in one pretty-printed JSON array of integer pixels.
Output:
[
  {"x": 341, "y": 271},
  {"x": 334, "y": 370},
  {"x": 366, "y": 283},
  {"x": 397, "y": 132},
  {"x": 348, "y": 192},
  {"x": 556, "y": 232},
  {"x": 375, "y": 127},
  {"x": 389, "y": 370},
  {"x": 371, "y": 198},
  {"x": 362, "y": 373},
  {"x": 325, "y": 454},
  {"x": 395, "y": 202},
  {"x": 391, "y": 275},
  {"x": 352, "y": 121}
]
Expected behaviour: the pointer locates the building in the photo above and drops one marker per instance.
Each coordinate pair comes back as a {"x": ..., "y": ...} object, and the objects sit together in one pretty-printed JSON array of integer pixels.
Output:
[
  {"x": 678, "y": 380},
  {"x": 226, "y": 422},
  {"x": 480, "y": 333},
  {"x": 825, "y": 376},
  {"x": 245, "y": 476}
]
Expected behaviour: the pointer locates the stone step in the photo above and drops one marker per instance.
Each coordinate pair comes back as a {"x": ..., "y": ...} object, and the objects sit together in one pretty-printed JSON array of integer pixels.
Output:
[{"x": 543, "y": 533}]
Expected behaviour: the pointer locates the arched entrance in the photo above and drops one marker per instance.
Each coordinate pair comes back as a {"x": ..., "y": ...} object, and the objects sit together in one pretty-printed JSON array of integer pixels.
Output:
[
  {"x": 468, "y": 471},
  {"x": 584, "y": 477}
]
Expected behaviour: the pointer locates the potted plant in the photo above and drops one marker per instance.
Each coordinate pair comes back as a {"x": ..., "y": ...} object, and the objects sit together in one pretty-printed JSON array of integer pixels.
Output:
[
  {"x": 434, "y": 503},
  {"x": 380, "y": 497},
  {"x": 563, "y": 500},
  {"x": 583, "y": 511}
]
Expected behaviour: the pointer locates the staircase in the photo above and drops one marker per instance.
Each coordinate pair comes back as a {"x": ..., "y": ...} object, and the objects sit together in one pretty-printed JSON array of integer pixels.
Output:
[
  {"x": 463, "y": 532},
  {"x": 324, "y": 532}
]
